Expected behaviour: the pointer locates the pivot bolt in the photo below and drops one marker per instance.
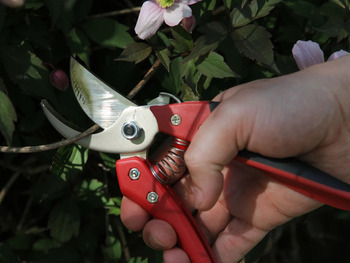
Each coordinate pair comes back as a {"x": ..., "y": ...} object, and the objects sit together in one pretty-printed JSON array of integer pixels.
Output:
[
  {"x": 134, "y": 174},
  {"x": 152, "y": 197},
  {"x": 131, "y": 130},
  {"x": 175, "y": 120}
]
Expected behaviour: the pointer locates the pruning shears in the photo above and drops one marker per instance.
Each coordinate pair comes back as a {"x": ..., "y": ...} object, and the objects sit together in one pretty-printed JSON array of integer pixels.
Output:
[{"x": 130, "y": 130}]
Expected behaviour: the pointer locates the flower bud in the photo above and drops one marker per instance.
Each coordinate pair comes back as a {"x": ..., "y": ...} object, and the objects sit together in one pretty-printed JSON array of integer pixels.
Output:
[
  {"x": 188, "y": 23},
  {"x": 12, "y": 3},
  {"x": 59, "y": 79}
]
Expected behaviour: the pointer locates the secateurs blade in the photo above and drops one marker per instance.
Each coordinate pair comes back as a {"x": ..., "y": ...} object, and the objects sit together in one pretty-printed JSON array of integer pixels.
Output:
[{"x": 130, "y": 130}]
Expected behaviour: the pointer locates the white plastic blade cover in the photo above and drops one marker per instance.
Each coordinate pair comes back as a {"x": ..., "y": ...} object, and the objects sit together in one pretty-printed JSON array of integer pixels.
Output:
[{"x": 101, "y": 103}]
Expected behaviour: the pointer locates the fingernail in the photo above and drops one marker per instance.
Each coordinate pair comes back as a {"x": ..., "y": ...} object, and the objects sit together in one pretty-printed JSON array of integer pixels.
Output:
[{"x": 198, "y": 197}]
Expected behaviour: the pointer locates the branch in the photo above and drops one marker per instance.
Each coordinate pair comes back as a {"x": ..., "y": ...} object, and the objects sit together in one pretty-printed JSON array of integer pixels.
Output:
[
  {"x": 47, "y": 147},
  {"x": 8, "y": 185},
  {"x": 117, "y": 12},
  {"x": 145, "y": 79}
]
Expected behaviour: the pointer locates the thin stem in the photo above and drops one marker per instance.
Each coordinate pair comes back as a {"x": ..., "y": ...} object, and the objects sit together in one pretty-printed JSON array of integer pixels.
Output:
[
  {"x": 117, "y": 12},
  {"x": 145, "y": 79},
  {"x": 47, "y": 147},
  {"x": 10, "y": 182}
]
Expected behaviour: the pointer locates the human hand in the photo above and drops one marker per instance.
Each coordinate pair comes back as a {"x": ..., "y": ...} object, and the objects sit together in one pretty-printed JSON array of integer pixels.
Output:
[{"x": 305, "y": 114}]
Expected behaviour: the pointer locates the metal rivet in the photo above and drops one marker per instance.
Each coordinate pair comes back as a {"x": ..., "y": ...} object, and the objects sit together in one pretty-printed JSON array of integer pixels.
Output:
[
  {"x": 175, "y": 120},
  {"x": 152, "y": 197},
  {"x": 134, "y": 174},
  {"x": 131, "y": 130}
]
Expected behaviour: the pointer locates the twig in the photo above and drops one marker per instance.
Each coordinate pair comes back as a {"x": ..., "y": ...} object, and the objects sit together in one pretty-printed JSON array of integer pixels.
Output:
[
  {"x": 8, "y": 185},
  {"x": 123, "y": 240},
  {"x": 147, "y": 76},
  {"x": 25, "y": 213},
  {"x": 117, "y": 12},
  {"x": 47, "y": 147}
]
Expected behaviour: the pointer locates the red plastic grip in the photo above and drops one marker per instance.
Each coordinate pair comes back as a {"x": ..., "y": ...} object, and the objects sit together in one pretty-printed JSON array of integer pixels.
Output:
[{"x": 168, "y": 206}]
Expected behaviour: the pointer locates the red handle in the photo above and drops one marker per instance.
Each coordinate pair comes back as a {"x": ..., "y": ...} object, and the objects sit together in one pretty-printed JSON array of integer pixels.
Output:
[
  {"x": 297, "y": 175},
  {"x": 137, "y": 182}
]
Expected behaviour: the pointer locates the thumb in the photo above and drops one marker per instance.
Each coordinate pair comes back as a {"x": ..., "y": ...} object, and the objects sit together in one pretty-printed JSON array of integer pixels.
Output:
[{"x": 216, "y": 143}]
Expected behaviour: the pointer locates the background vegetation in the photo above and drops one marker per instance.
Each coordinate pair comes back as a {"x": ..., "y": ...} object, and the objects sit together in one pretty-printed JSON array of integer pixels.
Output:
[{"x": 63, "y": 205}]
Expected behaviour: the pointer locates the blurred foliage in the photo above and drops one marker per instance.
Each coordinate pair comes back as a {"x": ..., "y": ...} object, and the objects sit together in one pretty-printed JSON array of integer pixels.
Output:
[{"x": 70, "y": 212}]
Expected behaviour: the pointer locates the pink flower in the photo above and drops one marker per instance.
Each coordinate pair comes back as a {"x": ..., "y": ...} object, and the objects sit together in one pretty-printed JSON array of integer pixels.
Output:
[
  {"x": 188, "y": 23},
  {"x": 308, "y": 53},
  {"x": 154, "y": 12},
  {"x": 59, "y": 79}
]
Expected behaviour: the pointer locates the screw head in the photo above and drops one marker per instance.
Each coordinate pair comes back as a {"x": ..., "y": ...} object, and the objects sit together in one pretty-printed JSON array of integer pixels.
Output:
[
  {"x": 152, "y": 197},
  {"x": 175, "y": 120},
  {"x": 134, "y": 174}
]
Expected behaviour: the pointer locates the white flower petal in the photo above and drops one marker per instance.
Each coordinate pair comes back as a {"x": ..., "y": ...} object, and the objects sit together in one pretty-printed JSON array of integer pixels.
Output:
[
  {"x": 175, "y": 13},
  {"x": 191, "y": 2},
  {"x": 307, "y": 53},
  {"x": 149, "y": 20},
  {"x": 337, "y": 54}
]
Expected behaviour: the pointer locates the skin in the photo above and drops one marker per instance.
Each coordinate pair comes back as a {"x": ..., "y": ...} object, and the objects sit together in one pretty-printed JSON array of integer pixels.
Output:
[{"x": 305, "y": 114}]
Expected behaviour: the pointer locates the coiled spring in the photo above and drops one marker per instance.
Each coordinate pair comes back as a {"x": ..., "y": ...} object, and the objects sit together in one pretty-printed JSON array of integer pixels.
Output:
[{"x": 172, "y": 165}]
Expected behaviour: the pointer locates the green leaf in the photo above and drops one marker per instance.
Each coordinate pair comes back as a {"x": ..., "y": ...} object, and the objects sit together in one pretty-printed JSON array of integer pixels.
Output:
[
  {"x": 213, "y": 66},
  {"x": 252, "y": 11},
  {"x": 61, "y": 13},
  {"x": 135, "y": 52},
  {"x": 112, "y": 251},
  {"x": 20, "y": 241},
  {"x": 183, "y": 41},
  {"x": 7, "y": 255},
  {"x": 163, "y": 55},
  {"x": 254, "y": 42},
  {"x": 26, "y": 69},
  {"x": 302, "y": 7},
  {"x": 214, "y": 33},
  {"x": 188, "y": 94},
  {"x": 64, "y": 220},
  {"x": 79, "y": 44},
  {"x": 171, "y": 81},
  {"x": 107, "y": 32},
  {"x": 7, "y": 117},
  {"x": 68, "y": 161},
  {"x": 44, "y": 245}
]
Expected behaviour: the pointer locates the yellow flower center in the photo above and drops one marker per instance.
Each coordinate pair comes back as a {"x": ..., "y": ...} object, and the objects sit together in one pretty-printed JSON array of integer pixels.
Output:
[{"x": 165, "y": 3}]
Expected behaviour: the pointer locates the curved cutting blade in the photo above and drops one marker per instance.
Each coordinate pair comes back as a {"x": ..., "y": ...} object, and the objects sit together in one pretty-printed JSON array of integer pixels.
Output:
[{"x": 101, "y": 103}]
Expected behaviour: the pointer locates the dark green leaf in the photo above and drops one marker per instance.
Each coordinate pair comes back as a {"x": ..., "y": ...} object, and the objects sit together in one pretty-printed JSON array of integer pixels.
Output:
[
  {"x": 107, "y": 32},
  {"x": 112, "y": 251},
  {"x": 60, "y": 255},
  {"x": 68, "y": 161},
  {"x": 302, "y": 7},
  {"x": 214, "y": 33},
  {"x": 64, "y": 220},
  {"x": 254, "y": 42},
  {"x": 188, "y": 94},
  {"x": 7, "y": 255},
  {"x": 61, "y": 13},
  {"x": 19, "y": 242},
  {"x": 44, "y": 245},
  {"x": 163, "y": 55},
  {"x": 171, "y": 81},
  {"x": 213, "y": 66},
  {"x": 7, "y": 117},
  {"x": 183, "y": 41},
  {"x": 252, "y": 11},
  {"x": 79, "y": 44},
  {"x": 26, "y": 69},
  {"x": 135, "y": 52}
]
